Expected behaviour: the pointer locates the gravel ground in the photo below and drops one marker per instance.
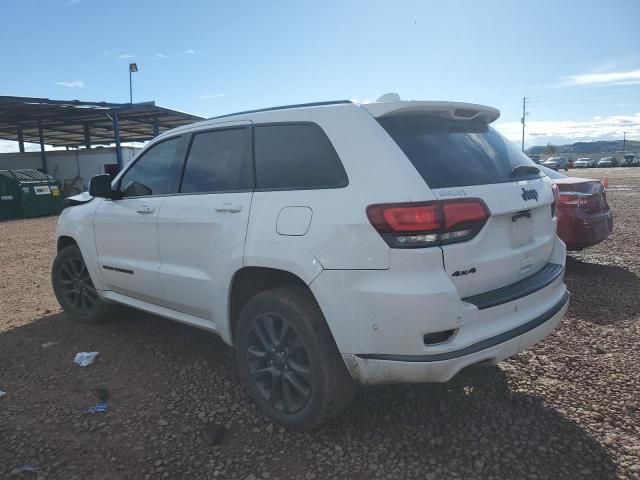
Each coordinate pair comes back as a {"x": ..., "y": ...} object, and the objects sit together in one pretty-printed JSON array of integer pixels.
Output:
[{"x": 569, "y": 408}]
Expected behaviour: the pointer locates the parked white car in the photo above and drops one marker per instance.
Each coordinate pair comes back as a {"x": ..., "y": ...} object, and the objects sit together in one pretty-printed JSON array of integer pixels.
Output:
[
  {"x": 584, "y": 163},
  {"x": 332, "y": 245}
]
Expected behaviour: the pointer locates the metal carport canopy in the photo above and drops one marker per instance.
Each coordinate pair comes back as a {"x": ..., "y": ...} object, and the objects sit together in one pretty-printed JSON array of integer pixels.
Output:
[{"x": 73, "y": 123}]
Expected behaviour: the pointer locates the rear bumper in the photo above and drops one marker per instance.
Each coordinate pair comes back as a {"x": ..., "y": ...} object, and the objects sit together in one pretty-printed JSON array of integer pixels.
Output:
[
  {"x": 582, "y": 231},
  {"x": 383, "y": 369},
  {"x": 379, "y": 318}
]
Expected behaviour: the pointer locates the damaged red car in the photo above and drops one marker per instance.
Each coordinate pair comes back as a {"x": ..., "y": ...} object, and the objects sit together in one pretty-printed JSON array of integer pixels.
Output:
[{"x": 584, "y": 216}]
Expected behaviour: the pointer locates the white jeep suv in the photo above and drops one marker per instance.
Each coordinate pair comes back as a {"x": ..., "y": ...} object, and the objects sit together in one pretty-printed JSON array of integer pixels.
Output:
[{"x": 331, "y": 244}]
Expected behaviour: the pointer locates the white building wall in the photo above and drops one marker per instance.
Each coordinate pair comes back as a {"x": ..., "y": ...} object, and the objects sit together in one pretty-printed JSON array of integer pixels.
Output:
[{"x": 69, "y": 165}]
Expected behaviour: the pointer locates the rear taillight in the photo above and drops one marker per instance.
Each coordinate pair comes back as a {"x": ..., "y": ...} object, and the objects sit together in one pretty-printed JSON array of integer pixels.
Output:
[
  {"x": 575, "y": 199},
  {"x": 426, "y": 224}
]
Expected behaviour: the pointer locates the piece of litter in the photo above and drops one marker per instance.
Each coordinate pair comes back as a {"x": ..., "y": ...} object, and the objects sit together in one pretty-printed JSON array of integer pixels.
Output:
[
  {"x": 49, "y": 344},
  {"x": 2, "y": 393},
  {"x": 214, "y": 432},
  {"x": 27, "y": 468},
  {"x": 85, "y": 358},
  {"x": 98, "y": 408}
]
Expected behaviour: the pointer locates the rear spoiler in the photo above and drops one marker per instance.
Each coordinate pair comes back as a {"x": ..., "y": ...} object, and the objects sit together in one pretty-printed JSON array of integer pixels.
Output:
[{"x": 449, "y": 110}]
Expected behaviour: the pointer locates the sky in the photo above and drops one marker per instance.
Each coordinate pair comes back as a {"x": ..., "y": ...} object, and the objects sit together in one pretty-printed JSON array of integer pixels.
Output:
[{"x": 577, "y": 62}]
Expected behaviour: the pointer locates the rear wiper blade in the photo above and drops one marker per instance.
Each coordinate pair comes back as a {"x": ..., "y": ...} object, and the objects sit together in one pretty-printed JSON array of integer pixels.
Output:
[{"x": 521, "y": 169}]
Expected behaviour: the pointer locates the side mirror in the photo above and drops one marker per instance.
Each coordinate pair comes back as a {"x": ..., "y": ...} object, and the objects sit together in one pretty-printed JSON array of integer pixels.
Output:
[{"x": 100, "y": 186}]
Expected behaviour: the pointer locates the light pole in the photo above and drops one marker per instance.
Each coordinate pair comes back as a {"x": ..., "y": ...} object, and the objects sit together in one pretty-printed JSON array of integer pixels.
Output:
[
  {"x": 523, "y": 120},
  {"x": 133, "y": 67}
]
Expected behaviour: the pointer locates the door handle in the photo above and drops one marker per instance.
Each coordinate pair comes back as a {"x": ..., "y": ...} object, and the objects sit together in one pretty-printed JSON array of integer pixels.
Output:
[
  {"x": 229, "y": 208},
  {"x": 145, "y": 210}
]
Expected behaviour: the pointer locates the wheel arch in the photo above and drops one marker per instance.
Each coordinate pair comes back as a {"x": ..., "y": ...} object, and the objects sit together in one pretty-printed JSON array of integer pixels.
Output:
[
  {"x": 65, "y": 241},
  {"x": 251, "y": 280}
]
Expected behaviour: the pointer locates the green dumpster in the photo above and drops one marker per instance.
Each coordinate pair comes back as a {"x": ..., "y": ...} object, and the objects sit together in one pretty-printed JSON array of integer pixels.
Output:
[{"x": 28, "y": 193}]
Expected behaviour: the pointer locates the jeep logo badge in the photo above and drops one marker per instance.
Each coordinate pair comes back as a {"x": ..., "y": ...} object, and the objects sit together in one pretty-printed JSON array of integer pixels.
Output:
[{"x": 529, "y": 194}]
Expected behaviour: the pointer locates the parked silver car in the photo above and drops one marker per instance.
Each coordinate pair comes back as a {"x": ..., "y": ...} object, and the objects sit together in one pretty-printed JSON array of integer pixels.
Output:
[
  {"x": 556, "y": 163},
  {"x": 630, "y": 160},
  {"x": 608, "y": 162}
]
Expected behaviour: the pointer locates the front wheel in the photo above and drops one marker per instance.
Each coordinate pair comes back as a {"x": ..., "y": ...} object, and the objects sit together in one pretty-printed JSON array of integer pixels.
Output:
[
  {"x": 288, "y": 359},
  {"x": 74, "y": 288}
]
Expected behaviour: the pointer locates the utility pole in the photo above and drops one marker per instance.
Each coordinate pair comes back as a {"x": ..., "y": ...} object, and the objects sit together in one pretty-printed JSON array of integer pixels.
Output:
[
  {"x": 624, "y": 143},
  {"x": 524, "y": 113}
]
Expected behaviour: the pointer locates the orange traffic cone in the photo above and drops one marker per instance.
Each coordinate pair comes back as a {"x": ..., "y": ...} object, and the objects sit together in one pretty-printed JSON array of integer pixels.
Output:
[{"x": 605, "y": 182}]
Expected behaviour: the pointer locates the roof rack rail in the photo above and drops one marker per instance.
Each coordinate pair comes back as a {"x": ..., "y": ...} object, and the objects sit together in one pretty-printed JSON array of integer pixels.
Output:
[{"x": 284, "y": 107}]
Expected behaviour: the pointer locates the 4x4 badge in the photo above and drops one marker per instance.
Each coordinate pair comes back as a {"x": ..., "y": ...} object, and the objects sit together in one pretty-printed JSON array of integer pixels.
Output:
[{"x": 530, "y": 194}]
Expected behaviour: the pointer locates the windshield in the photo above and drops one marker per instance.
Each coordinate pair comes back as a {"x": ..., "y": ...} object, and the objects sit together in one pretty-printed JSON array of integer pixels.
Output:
[{"x": 454, "y": 153}]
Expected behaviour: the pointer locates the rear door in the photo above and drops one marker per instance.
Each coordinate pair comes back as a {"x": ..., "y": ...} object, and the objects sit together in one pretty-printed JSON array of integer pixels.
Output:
[
  {"x": 468, "y": 159},
  {"x": 202, "y": 230},
  {"x": 126, "y": 229}
]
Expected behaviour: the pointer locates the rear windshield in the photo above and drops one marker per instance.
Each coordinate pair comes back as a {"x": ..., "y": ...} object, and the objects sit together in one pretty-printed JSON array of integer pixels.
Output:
[{"x": 454, "y": 153}]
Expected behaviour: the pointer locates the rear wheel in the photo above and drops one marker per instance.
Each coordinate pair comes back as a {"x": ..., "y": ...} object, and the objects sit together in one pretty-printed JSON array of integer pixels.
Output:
[
  {"x": 288, "y": 360},
  {"x": 74, "y": 288}
]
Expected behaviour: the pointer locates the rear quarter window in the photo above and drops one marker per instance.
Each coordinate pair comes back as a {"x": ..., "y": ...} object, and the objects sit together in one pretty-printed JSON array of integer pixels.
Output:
[
  {"x": 296, "y": 157},
  {"x": 454, "y": 153}
]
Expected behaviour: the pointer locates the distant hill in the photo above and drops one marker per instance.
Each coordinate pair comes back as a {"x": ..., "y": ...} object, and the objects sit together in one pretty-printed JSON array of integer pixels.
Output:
[{"x": 578, "y": 148}]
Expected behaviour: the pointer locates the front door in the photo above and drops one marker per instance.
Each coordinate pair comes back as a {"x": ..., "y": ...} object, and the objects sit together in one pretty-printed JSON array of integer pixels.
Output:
[
  {"x": 202, "y": 230},
  {"x": 126, "y": 229}
]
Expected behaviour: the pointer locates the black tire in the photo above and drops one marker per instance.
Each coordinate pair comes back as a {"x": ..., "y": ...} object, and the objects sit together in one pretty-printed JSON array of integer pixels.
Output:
[
  {"x": 304, "y": 381},
  {"x": 74, "y": 288}
]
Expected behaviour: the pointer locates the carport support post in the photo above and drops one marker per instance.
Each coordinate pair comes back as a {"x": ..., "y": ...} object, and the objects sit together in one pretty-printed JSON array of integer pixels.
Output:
[
  {"x": 156, "y": 128},
  {"x": 116, "y": 134},
  {"x": 43, "y": 155},
  {"x": 20, "y": 140}
]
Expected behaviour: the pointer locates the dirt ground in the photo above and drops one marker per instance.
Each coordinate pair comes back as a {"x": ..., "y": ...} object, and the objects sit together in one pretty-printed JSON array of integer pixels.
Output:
[{"x": 569, "y": 408}]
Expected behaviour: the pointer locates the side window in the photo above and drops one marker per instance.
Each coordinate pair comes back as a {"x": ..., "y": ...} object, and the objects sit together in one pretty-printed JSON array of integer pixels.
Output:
[
  {"x": 296, "y": 156},
  {"x": 155, "y": 173},
  {"x": 218, "y": 161}
]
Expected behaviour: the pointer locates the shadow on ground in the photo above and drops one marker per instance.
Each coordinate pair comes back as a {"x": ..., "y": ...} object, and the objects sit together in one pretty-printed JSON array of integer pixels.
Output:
[
  {"x": 590, "y": 282},
  {"x": 473, "y": 424}
]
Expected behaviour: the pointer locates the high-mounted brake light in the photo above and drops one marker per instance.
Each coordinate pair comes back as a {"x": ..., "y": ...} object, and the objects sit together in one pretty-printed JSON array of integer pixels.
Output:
[{"x": 425, "y": 224}]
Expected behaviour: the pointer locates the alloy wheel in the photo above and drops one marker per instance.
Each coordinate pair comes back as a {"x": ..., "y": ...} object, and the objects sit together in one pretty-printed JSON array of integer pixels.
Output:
[
  {"x": 278, "y": 363},
  {"x": 76, "y": 285}
]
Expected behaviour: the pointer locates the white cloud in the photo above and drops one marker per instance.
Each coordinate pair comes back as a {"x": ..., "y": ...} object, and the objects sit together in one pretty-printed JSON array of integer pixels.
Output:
[
  {"x": 73, "y": 84},
  {"x": 569, "y": 131},
  {"x": 191, "y": 51},
  {"x": 125, "y": 56},
  {"x": 210, "y": 96},
  {"x": 8, "y": 146},
  {"x": 69, "y": 3},
  {"x": 609, "y": 78},
  {"x": 160, "y": 55}
]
